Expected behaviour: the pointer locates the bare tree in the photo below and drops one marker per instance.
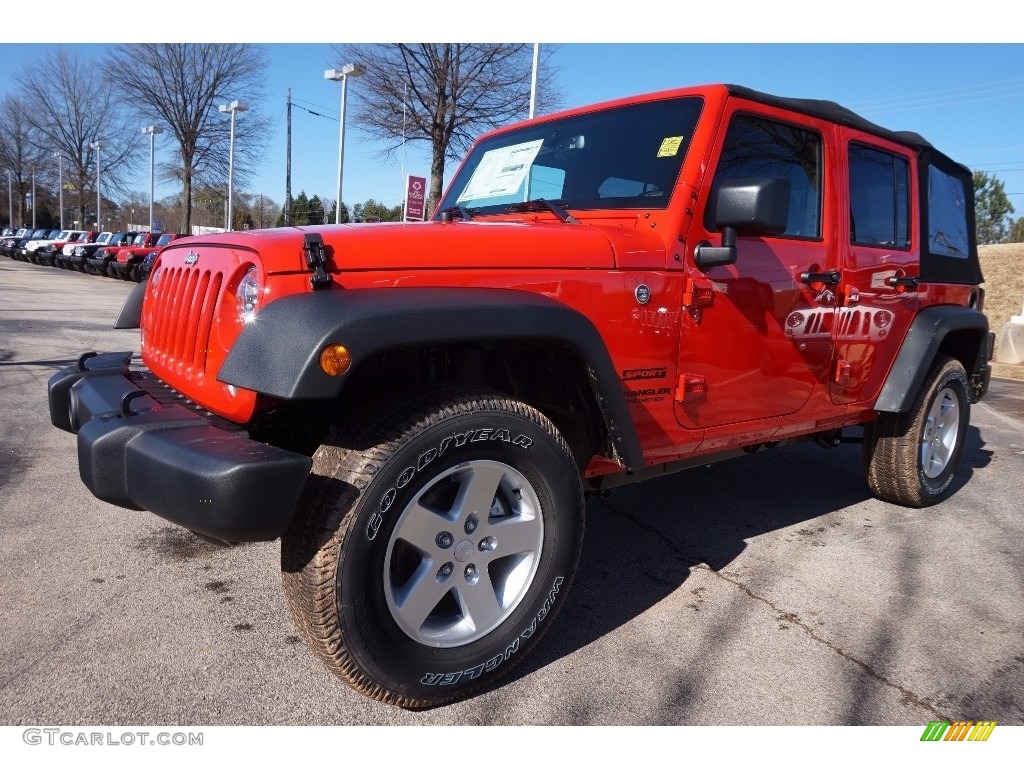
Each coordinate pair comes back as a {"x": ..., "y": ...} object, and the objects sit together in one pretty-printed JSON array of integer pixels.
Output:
[
  {"x": 181, "y": 86},
  {"x": 19, "y": 151},
  {"x": 70, "y": 109},
  {"x": 444, "y": 94}
]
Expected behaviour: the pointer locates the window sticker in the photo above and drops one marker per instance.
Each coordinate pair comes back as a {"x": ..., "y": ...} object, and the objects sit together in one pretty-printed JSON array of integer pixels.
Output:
[
  {"x": 670, "y": 146},
  {"x": 501, "y": 171}
]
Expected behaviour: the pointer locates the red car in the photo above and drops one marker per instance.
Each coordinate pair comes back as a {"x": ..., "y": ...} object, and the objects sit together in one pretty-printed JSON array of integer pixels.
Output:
[
  {"x": 603, "y": 296},
  {"x": 126, "y": 259}
]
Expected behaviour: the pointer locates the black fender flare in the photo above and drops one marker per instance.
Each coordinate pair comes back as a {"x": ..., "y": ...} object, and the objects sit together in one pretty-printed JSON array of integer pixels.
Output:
[
  {"x": 922, "y": 342},
  {"x": 278, "y": 353},
  {"x": 130, "y": 315}
]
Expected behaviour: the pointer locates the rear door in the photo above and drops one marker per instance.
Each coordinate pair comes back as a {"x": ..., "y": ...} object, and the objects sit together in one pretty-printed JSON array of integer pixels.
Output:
[{"x": 879, "y": 243}]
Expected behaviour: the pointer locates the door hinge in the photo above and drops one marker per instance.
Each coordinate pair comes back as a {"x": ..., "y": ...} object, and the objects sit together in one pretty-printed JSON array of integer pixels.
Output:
[
  {"x": 698, "y": 293},
  {"x": 690, "y": 388},
  {"x": 316, "y": 260}
]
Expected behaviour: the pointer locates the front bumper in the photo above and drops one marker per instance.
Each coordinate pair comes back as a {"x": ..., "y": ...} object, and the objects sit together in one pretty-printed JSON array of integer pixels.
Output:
[
  {"x": 140, "y": 447},
  {"x": 123, "y": 268},
  {"x": 98, "y": 264}
]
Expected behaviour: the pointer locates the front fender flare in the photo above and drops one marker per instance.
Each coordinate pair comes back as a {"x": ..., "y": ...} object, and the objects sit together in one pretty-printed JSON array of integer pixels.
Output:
[{"x": 277, "y": 354}]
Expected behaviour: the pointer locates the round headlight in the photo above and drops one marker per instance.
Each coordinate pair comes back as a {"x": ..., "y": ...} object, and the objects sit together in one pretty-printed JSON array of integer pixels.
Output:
[
  {"x": 248, "y": 295},
  {"x": 154, "y": 279}
]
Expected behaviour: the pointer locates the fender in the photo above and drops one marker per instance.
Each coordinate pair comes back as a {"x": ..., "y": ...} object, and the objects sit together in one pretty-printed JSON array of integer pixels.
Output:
[
  {"x": 368, "y": 320},
  {"x": 922, "y": 342},
  {"x": 130, "y": 315}
]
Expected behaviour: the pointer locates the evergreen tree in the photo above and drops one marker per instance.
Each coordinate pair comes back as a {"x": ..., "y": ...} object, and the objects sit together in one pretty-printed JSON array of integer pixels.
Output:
[
  {"x": 1016, "y": 231},
  {"x": 992, "y": 208}
]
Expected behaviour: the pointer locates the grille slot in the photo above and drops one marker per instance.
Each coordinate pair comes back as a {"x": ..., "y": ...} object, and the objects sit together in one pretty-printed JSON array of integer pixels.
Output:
[{"x": 182, "y": 319}]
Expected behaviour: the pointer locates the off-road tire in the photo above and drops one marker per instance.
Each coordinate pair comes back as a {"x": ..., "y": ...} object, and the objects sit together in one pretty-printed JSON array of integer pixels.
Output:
[
  {"x": 911, "y": 458},
  {"x": 381, "y": 483}
]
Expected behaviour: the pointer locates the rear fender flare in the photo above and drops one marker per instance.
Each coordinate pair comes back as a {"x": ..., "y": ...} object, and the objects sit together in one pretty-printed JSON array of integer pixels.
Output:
[{"x": 923, "y": 340}]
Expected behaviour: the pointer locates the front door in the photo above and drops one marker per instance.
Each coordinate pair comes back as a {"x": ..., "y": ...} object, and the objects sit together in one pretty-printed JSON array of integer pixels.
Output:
[{"x": 756, "y": 338}]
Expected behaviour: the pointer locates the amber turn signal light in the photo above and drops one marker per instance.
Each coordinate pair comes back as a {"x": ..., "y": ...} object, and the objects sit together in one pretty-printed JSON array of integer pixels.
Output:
[{"x": 335, "y": 359}]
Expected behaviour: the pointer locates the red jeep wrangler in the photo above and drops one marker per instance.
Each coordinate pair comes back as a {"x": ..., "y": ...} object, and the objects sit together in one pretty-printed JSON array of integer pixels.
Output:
[{"x": 603, "y": 295}]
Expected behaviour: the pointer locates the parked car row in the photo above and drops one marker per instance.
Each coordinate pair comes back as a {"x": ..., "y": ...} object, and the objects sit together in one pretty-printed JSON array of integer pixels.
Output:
[{"x": 127, "y": 255}]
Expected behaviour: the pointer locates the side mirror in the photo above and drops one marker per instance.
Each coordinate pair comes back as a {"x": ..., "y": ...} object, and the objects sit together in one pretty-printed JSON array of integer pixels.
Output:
[{"x": 745, "y": 207}]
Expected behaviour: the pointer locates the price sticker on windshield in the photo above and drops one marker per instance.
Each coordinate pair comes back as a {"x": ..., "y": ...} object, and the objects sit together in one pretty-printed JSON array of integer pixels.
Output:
[{"x": 670, "y": 146}]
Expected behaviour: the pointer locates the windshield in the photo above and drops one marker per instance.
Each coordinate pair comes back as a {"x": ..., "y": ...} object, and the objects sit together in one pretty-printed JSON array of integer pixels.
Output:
[
  {"x": 104, "y": 238},
  {"x": 164, "y": 239},
  {"x": 139, "y": 240},
  {"x": 64, "y": 235},
  {"x": 625, "y": 157}
]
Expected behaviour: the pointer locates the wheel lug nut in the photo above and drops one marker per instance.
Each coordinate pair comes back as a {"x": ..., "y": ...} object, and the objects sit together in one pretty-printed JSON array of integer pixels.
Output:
[
  {"x": 471, "y": 524},
  {"x": 486, "y": 544},
  {"x": 472, "y": 576},
  {"x": 444, "y": 571},
  {"x": 444, "y": 539}
]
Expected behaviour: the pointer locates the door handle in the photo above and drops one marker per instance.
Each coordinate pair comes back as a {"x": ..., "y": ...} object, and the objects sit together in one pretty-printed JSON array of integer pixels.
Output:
[{"x": 831, "y": 277}]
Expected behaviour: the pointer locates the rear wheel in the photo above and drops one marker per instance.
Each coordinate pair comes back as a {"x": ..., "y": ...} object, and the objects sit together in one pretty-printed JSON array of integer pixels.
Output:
[
  {"x": 910, "y": 458},
  {"x": 433, "y": 545}
]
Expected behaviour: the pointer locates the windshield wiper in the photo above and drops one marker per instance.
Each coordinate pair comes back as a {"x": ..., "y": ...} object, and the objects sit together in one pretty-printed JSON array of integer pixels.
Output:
[
  {"x": 464, "y": 213},
  {"x": 557, "y": 207}
]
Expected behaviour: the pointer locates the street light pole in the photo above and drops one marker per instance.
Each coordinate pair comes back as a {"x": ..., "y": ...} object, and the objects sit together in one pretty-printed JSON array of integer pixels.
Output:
[
  {"x": 152, "y": 130},
  {"x": 33, "y": 197},
  {"x": 98, "y": 145},
  {"x": 342, "y": 75},
  {"x": 10, "y": 200},
  {"x": 233, "y": 107},
  {"x": 533, "y": 80},
  {"x": 60, "y": 185}
]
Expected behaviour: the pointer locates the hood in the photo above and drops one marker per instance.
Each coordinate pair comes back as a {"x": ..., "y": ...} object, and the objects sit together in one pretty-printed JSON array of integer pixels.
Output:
[{"x": 458, "y": 244}]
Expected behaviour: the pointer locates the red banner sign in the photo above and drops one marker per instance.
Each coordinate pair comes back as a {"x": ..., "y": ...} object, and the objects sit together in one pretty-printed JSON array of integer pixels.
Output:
[{"x": 415, "y": 198}]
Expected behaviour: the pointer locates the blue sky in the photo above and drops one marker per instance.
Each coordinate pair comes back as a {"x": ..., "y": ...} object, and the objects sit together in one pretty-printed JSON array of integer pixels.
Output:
[{"x": 967, "y": 99}]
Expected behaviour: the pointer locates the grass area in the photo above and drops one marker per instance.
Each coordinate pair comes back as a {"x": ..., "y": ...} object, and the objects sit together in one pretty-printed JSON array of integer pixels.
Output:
[{"x": 1003, "y": 268}]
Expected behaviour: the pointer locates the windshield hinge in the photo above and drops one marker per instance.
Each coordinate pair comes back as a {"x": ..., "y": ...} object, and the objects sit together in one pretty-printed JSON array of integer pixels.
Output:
[{"x": 316, "y": 260}]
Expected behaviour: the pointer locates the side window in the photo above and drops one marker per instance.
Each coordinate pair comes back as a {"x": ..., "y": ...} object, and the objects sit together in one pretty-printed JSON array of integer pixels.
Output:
[
  {"x": 879, "y": 198},
  {"x": 947, "y": 215},
  {"x": 758, "y": 147}
]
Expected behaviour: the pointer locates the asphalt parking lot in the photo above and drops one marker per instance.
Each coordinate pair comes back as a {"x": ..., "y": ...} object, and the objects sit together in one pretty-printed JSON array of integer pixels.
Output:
[{"x": 767, "y": 590}]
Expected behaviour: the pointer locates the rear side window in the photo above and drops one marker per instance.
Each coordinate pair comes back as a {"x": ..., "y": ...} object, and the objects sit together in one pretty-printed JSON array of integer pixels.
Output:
[
  {"x": 879, "y": 198},
  {"x": 947, "y": 215},
  {"x": 756, "y": 148}
]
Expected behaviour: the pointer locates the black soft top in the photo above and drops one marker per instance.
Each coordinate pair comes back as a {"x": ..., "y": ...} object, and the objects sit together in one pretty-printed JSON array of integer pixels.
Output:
[
  {"x": 836, "y": 113},
  {"x": 936, "y": 265}
]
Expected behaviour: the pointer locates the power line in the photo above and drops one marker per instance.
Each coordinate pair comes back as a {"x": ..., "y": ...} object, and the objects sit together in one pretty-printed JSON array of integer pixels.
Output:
[
  {"x": 942, "y": 93},
  {"x": 312, "y": 104},
  {"x": 310, "y": 111}
]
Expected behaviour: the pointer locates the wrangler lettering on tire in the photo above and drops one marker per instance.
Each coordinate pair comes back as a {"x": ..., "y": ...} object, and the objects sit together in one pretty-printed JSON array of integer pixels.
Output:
[{"x": 433, "y": 544}]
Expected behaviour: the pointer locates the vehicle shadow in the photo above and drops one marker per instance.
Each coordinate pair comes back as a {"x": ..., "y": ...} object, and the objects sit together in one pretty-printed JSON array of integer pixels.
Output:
[{"x": 643, "y": 541}]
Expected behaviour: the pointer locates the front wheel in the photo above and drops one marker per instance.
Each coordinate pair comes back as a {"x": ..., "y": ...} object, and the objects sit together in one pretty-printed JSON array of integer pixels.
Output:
[
  {"x": 434, "y": 545},
  {"x": 910, "y": 458}
]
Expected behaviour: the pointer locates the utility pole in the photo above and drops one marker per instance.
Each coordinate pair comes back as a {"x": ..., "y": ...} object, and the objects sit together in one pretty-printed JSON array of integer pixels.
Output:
[{"x": 288, "y": 168}]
